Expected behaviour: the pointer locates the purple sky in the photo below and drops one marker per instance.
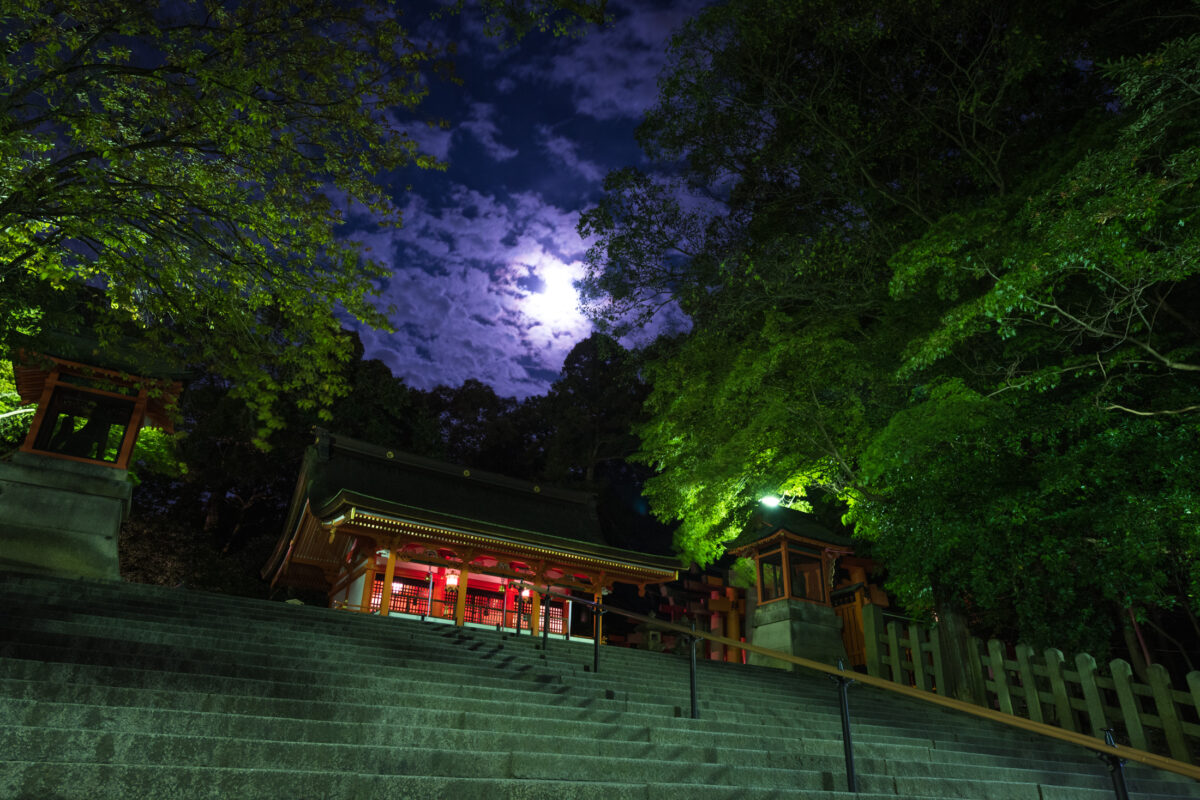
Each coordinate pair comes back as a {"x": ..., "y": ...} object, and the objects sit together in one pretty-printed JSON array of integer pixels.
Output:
[{"x": 484, "y": 265}]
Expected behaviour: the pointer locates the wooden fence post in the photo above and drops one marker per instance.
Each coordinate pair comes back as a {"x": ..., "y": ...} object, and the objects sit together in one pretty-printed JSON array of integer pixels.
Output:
[
  {"x": 896, "y": 656},
  {"x": 917, "y": 648},
  {"x": 977, "y": 680},
  {"x": 1131, "y": 710},
  {"x": 1000, "y": 675},
  {"x": 1164, "y": 699},
  {"x": 1029, "y": 684},
  {"x": 1058, "y": 688},
  {"x": 1193, "y": 682},
  {"x": 1091, "y": 693},
  {"x": 872, "y": 619}
]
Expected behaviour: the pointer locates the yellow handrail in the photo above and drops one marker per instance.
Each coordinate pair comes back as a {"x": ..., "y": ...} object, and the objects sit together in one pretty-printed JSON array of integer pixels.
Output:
[{"x": 1080, "y": 739}]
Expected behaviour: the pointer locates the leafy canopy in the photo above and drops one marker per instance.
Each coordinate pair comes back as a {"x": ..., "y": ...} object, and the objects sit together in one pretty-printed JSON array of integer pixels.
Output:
[
  {"x": 941, "y": 264},
  {"x": 196, "y": 161}
]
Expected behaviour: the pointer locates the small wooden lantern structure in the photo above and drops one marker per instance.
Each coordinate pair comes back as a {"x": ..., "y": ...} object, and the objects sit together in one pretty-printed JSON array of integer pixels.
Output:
[
  {"x": 808, "y": 577},
  {"x": 86, "y": 413},
  {"x": 794, "y": 557}
]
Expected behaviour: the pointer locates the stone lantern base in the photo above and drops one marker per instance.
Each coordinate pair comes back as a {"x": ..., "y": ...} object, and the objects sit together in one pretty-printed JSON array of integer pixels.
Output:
[
  {"x": 802, "y": 629},
  {"x": 61, "y": 517}
]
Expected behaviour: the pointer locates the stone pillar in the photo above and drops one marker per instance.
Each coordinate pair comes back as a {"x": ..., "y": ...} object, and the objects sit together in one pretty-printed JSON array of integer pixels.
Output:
[
  {"x": 798, "y": 628},
  {"x": 62, "y": 517}
]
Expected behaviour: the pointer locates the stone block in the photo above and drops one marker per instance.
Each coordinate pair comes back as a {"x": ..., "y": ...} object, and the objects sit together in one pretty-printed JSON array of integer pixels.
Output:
[
  {"x": 803, "y": 629},
  {"x": 61, "y": 517}
]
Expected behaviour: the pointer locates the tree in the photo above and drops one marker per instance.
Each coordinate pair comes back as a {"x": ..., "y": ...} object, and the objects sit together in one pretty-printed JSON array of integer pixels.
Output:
[
  {"x": 14, "y": 418},
  {"x": 939, "y": 268},
  {"x": 1070, "y": 307},
  {"x": 592, "y": 408},
  {"x": 196, "y": 160}
]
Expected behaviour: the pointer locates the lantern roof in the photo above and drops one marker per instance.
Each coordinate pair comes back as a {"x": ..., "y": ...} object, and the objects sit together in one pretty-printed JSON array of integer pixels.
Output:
[
  {"x": 126, "y": 356},
  {"x": 769, "y": 523}
]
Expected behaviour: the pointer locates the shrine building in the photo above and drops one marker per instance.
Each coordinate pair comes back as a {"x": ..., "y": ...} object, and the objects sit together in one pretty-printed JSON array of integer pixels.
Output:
[{"x": 385, "y": 532}]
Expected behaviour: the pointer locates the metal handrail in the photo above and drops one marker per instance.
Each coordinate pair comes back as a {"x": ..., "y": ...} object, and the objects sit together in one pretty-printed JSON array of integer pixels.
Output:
[{"x": 1109, "y": 751}]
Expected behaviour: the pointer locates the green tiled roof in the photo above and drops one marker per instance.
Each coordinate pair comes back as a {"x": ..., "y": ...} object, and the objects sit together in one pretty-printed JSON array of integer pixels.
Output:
[{"x": 340, "y": 473}]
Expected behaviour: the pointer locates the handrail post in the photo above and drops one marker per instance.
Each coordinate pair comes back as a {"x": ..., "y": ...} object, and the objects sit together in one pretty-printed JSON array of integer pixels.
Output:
[
  {"x": 1116, "y": 767},
  {"x": 844, "y": 684},
  {"x": 545, "y": 618},
  {"x": 429, "y": 598},
  {"x": 695, "y": 701},
  {"x": 597, "y": 612}
]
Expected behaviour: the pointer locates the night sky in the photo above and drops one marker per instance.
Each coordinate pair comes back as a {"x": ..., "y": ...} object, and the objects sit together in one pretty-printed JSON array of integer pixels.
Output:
[{"x": 484, "y": 264}]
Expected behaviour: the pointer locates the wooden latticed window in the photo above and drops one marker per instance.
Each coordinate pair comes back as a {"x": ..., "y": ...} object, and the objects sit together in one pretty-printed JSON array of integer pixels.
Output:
[
  {"x": 86, "y": 413},
  {"x": 806, "y": 578},
  {"x": 484, "y": 607},
  {"x": 408, "y": 596},
  {"x": 558, "y": 609}
]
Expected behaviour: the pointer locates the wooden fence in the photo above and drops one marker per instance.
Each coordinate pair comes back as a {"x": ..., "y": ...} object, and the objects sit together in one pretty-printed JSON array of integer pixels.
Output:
[{"x": 1078, "y": 696}]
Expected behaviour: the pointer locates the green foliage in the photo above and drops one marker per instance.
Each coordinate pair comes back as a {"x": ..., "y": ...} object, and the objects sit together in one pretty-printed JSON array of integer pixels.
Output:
[
  {"x": 14, "y": 418},
  {"x": 511, "y": 20},
  {"x": 744, "y": 573},
  {"x": 948, "y": 272},
  {"x": 736, "y": 417},
  {"x": 157, "y": 453},
  {"x": 196, "y": 160}
]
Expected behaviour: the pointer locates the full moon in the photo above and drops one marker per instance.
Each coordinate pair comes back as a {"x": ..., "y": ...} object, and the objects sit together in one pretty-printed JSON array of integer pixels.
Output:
[{"x": 556, "y": 305}]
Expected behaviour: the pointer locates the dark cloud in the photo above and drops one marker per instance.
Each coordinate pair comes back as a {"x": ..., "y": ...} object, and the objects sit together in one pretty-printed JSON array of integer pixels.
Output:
[
  {"x": 481, "y": 125},
  {"x": 613, "y": 73},
  {"x": 566, "y": 152}
]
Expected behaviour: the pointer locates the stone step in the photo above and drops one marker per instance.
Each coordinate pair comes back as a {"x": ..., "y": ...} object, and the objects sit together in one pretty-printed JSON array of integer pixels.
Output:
[
  {"x": 859, "y": 714},
  {"x": 32, "y": 781},
  {"x": 715, "y": 694},
  {"x": 503, "y": 754},
  {"x": 399, "y": 676},
  {"x": 116, "y": 685},
  {"x": 150, "y": 691},
  {"x": 436, "y": 729}
]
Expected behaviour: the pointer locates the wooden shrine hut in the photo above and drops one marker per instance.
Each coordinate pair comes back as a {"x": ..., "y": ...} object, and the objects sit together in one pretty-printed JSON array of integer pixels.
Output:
[
  {"x": 88, "y": 413},
  {"x": 811, "y": 586},
  {"x": 66, "y": 491},
  {"x": 380, "y": 531}
]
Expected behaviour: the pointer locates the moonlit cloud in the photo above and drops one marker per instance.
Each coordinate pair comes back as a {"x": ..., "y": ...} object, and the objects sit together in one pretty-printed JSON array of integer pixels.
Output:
[
  {"x": 483, "y": 273},
  {"x": 483, "y": 288},
  {"x": 431, "y": 139}
]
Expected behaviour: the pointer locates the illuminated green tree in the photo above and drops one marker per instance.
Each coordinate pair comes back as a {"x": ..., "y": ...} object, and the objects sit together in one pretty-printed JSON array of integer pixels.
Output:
[{"x": 945, "y": 271}]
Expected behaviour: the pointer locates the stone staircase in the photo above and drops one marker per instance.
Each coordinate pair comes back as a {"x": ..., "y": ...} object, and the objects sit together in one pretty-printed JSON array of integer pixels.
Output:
[{"x": 112, "y": 690}]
